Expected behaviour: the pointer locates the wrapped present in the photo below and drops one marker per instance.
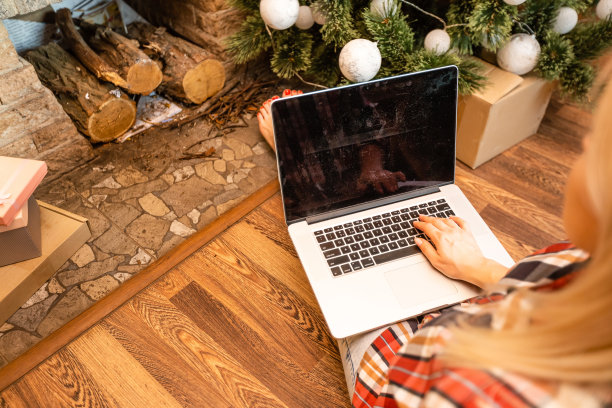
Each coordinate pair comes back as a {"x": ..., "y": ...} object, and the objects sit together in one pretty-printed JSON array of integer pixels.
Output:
[
  {"x": 18, "y": 180},
  {"x": 20, "y": 220},
  {"x": 20, "y": 244}
]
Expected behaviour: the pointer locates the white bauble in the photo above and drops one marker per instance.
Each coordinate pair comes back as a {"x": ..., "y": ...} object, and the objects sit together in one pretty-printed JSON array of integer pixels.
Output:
[
  {"x": 382, "y": 8},
  {"x": 437, "y": 41},
  {"x": 279, "y": 14},
  {"x": 604, "y": 9},
  {"x": 305, "y": 19},
  {"x": 520, "y": 54},
  {"x": 360, "y": 60},
  {"x": 514, "y": 2},
  {"x": 565, "y": 21},
  {"x": 318, "y": 15}
]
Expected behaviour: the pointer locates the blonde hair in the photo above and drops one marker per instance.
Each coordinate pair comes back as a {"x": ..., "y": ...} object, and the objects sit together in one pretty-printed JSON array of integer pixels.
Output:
[{"x": 566, "y": 334}]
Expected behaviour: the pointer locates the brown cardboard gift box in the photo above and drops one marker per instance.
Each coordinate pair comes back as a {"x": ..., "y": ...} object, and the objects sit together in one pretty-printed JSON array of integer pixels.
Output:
[
  {"x": 19, "y": 244},
  {"x": 62, "y": 233},
  {"x": 508, "y": 110}
]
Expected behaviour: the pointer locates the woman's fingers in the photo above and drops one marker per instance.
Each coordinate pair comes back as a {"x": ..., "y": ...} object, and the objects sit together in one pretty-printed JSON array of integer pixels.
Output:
[{"x": 428, "y": 250}]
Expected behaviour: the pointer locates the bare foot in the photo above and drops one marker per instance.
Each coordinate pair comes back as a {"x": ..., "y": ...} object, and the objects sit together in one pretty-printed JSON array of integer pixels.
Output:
[{"x": 264, "y": 117}]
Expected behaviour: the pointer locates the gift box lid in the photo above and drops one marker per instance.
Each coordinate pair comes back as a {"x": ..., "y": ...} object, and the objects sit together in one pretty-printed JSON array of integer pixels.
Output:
[
  {"x": 18, "y": 180},
  {"x": 499, "y": 83}
]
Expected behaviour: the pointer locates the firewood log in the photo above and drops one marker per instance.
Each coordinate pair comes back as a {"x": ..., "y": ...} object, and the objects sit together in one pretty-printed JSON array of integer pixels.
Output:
[
  {"x": 99, "y": 110},
  {"x": 190, "y": 72},
  {"x": 206, "y": 23},
  {"x": 112, "y": 57}
]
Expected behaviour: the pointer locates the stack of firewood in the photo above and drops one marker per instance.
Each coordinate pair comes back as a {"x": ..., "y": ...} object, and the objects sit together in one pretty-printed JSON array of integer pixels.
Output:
[{"x": 93, "y": 77}]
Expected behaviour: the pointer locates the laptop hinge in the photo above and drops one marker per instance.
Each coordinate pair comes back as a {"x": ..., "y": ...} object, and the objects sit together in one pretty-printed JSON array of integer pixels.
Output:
[{"x": 370, "y": 204}]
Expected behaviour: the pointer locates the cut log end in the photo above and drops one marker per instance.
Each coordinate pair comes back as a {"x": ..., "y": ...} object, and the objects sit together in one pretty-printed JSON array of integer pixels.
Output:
[
  {"x": 144, "y": 77},
  {"x": 115, "y": 117},
  {"x": 204, "y": 80}
]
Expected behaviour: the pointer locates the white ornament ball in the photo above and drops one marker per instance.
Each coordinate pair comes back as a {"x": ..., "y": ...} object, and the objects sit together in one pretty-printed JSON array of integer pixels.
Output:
[
  {"x": 319, "y": 16},
  {"x": 604, "y": 9},
  {"x": 514, "y": 2},
  {"x": 305, "y": 19},
  {"x": 565, "y": 21},
  {"x": 382, "y": 8},
  {"x": 360, "y": 60},
  {"x": 437, "y": 41},
  {"x": 520, "y": 54},
  {"x": 279, "y": 14}
]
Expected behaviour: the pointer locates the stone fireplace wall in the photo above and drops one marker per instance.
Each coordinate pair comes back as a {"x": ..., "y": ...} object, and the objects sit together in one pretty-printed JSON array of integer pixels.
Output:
[{"x": 32, "y": 122}]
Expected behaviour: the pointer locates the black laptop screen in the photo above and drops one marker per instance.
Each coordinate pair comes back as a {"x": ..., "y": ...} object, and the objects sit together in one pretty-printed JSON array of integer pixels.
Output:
[{"x": 355, "y": 144}]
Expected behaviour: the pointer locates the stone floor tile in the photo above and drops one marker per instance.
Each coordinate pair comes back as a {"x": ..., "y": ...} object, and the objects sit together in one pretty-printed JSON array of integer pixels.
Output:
[
  {"x": 194, "y": 216},
  {"x": 172, "y": 242},
  {"x": 228, "y": 155},
  {"x": 241, "y": 150},
  {"x": 139, "y": 190},
  {"x": 148, "y": 231},
  {"x": 153, "y": 205},
  {"x": 91, "y": 271},
  {"x": 83, "y": 256},
  {"x": 180, "y": 229},
  {"x": 249, "y": 135},
  {"x": 207, "y": 216},
  {"x": 108, "y": 182},
  {"x": 114, "y": 241},
  {"x": 141, "y": 258},
  {"x": 41, "y": 294},
  {"x": 228, "y": 205},
  {"x": 98, "y": 288},
  {"x": 207, "y": 171},
  {"x": 183, "y": 173},
  {"x": 226, "y": 196},
  {"x": 185, "y": 196},
  {"x": 168, "y": 178},
  {"x": 6, "y": 327},
  {"x": 16, "y": 342},
  {"x": 120, "y": 213},
  {"x": 129, "y": 176},
  {"x": 219, "y": 166},
  {"x": 29, "y": 318},
  {"x": 122, "y": 276},
  {"x": 130, "y": 268},
  {"x": 70, "y": 305},
  {"x": 55, "y": 287}
]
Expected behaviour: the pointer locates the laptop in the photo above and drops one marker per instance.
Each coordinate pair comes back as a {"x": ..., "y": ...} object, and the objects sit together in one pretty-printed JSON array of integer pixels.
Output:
[{"x": 357, "y": 165}]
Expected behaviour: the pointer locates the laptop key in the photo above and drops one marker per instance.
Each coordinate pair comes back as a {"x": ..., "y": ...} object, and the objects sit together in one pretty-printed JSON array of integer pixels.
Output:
[
  {"x": 338, "y": 227},
  {"x": 375, "y": 241},
  {"x": 405, "y": 225},
  {"x": 386, "y": 215},
  {"x": 367, "y": 262},
  {"x": 359, "y": 228},
  {"x": 384, "y": 239},
  {"x": 338, "y": 260},
  {"x": 393, "y": 245},
  {"x": 440, "y": 201},
  {"x": 423, "y": 205},
  {"x": 396, "y": 227},
  {"x": 359, "y": 237},
  {"x": 414, "y": 207},
  {"x": 404, "y": 210},
  {"x": 414, "y": 214},
  {"x": 331, "y": 236},
  {"x": 331, "y": 253},
  {"x": 364, "y": 253},
  {"x": 328, "y": 230},
  {"x": 326, "y": 246},
  {"x": 443, "y": 207},
  {"x": 378, "y": 224},
  {"x": 402, "y": 234},
  {"x": 350, "y": 231},
  {"x": 376, "y": 217},
  {"x": 338, "y": 242},
  {"x": 386, "y": 230},
  {"x": 374, "y": 251},
  {"x": 387, "y": 221},
  {"x": 393, "y": 237},
  {"x": 402, "y": 243},
  {"x": 367, "y": 219},
  {"x": 377, "y": 233},
  {"x": 396, "y": 218},
  {"x": 405, "y": 217},
  {"x": 364, "y": 244},
  {"x": 319, "y": 232},
  {"x": 349, "y": 240},
  {"x": 356, "y": 265},
  {"x": 397, "y": 254},
  {"x": 348, "y": 224},
  {"x": 320, "y": 238},
  {"x": 345, "y": 249},
  {"x": 340, "y": 234},
  {"x": 423, "y": 211},
  {"x": 431, "y": 203},
  {"x": 355, "y": 247},
  {"x": 395, "y": 212},
  {"x": 432, "y": 210},
  {"x": 413, "y": 231},
  {"x": 383, "y": 248},
  {"x": 450, "y": 213},
  {"x": 368, "y": 235},
  {"x": 369, "y": 226},
  {"x": 411, "y": 241},
  {"x": 346, "y": 268},
  {"x": 336, "y": 271},
  {"x": 354, "y": 256},
  {"x": 357, "y": 222}
]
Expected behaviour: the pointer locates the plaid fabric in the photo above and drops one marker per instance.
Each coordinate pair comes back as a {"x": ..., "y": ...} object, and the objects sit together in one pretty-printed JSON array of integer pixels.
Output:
[{"x": 400, "y": 368}]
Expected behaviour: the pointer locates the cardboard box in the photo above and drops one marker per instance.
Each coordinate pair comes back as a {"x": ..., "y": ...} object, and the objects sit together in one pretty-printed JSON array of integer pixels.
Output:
[
  {"x": 18, "y": 180},
  {"x": 63, "y": 233},
  {"x": 507, "y": 111},
  {"x": 23, "y": 243}
]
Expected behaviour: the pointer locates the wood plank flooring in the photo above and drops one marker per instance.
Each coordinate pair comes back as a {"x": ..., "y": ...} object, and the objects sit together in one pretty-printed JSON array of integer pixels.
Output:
[{"x": 235, "y": 324}]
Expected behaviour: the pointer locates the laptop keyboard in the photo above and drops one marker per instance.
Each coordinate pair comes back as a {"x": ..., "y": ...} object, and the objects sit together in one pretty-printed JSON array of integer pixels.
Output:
[{"x": 378, "y": 239}]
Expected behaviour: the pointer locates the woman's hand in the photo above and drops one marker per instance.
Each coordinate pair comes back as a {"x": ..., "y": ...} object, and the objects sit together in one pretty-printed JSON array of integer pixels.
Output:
[{"x": 456, "y": 253}]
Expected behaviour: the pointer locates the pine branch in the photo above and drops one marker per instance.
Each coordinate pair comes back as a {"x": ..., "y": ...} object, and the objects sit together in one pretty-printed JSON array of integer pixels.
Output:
[
  {"x": 557, "y": 54},
  {"x": 394, "y": 37},
  {"x": 539, "y": 15},
  {"x": 459, "y": 12},
  {"x": 250, "y": 41},
  {"x": 470, "y": 79},
  {"x": 292, "y": 52},
  {"x": 591, "y": 39},
  {"x": 324, "y": 68},
  {"x": 576, "y": 81},
  {"x": 245, "y": 5},
  {"x": 338, "y": 28},
  {"x": 491, "y": 22}
]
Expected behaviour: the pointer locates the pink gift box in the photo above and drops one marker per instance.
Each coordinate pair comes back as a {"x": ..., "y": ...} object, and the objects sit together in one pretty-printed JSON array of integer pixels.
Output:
[
  {"x": 20, "y": 220},
  {"x": 18, "y": 180}
]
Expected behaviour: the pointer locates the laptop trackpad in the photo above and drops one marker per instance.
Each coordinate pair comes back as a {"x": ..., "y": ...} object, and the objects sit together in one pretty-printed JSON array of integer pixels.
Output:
[{"x": 418, "y": 283}]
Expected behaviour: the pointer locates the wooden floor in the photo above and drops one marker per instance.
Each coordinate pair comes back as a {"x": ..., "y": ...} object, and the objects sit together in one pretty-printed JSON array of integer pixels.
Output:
[{"x": 235, "y": 324}]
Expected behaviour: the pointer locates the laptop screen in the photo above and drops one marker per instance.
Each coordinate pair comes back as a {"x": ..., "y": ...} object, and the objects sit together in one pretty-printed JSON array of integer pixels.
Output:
[{"x": 366, "y": 142}]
